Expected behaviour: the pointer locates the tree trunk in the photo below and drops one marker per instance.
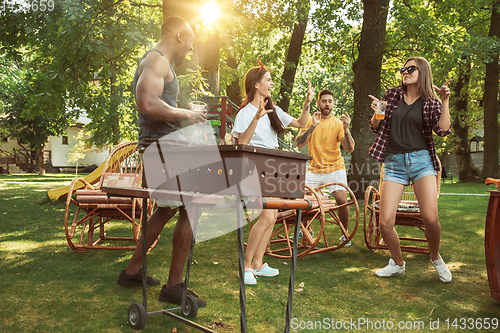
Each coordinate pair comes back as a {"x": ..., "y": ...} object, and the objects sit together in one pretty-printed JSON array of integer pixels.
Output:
[
  {"x": 41, "y": 160},
  {"x": 209, "y": 59},
  {"x": 444, "y": 162},
  {"x": 467, "y": 172},
  {"x": 182, "y": 8},
  {"x": 233, "y": 89},
  {"x": 293, "y": 55},
  {"x": 364, "y": 170},
  {"x": 490, "y": 98}
]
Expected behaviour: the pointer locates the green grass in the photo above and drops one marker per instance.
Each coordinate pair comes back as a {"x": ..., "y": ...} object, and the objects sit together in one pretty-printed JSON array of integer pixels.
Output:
[
  {"x": 46, "y": 286},
  {"x": 455, "y": 187}
]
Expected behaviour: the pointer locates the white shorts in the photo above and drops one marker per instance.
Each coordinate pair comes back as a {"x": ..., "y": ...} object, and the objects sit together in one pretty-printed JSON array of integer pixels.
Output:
[
  {"x": 172, "y": 204},
  {"x": 317, "y": 179}
]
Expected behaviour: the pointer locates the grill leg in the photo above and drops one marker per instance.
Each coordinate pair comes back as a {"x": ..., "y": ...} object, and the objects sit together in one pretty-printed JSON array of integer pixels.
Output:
[
  {"x": 241, "y": 241},
  {"x": 292, "y": 271},
  {"x": 144, "y": 254}
]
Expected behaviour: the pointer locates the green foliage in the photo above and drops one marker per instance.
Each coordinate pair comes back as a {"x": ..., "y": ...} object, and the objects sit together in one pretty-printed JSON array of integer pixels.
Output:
[
  {"x": 327, "y": 56},
  {"x": 335, "y": 33},
  {"x": 15, "y": 90},
  {"x": 64, "y": 50},
  {"x": 78, "y": 151},
  {"x": 51, "y": 58},
  {"x": 449, "y": 34},
  {"x": 255, "y": 29}
]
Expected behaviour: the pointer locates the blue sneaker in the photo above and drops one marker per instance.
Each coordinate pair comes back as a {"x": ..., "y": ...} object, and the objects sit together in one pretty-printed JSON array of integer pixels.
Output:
[
  {"x": 302, "y": 235},
  {"x": 265, "y": 270},
  {"x": 342, "y": 239},
  {"x": 249, "y": 277}
]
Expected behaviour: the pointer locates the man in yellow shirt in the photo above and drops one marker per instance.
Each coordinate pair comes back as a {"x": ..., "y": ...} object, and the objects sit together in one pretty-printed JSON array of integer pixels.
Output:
[{"x": 323, "y": 135}]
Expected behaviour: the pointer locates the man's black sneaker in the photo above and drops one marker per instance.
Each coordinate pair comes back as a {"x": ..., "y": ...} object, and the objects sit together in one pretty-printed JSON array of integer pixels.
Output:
[
  {"x": 174, "y": 295},
  {"x": 135, "y": 280}
]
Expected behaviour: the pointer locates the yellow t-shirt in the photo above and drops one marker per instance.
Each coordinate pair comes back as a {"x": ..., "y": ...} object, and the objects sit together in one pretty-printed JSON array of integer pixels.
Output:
[{"x": 324, "y": 145}]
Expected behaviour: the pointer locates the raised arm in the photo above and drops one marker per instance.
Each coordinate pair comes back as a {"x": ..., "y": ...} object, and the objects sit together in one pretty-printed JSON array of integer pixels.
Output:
[
  {"x": 302, "y": 121},
  {"x": 153, "y": 70},
  {"x": 305, "y": 135},
  {"x": 347, "y": 141},
  {"x": 444, "y": 93}
]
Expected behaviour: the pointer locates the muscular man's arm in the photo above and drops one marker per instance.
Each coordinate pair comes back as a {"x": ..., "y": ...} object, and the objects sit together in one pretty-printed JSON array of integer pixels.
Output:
[{"x": 153, "y": 71}]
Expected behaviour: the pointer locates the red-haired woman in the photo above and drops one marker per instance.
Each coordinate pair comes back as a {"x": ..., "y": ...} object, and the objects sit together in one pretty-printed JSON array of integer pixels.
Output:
[
  {"x": 405, "y": 145},
  {"x": 258, "y": 123}
]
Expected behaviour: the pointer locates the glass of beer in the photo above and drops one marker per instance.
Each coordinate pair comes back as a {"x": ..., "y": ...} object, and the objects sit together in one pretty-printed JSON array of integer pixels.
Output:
[
  {"x": 198, "y": 106},
  {"x": 380, "y": 107}
]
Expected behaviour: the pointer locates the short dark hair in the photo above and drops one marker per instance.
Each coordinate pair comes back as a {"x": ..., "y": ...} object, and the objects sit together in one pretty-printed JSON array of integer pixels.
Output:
[
  {"x": 173, "y": 23},
  {"x": 324, "y": 92}
]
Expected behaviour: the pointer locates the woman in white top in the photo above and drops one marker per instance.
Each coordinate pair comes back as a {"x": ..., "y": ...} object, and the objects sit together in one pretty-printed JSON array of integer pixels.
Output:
[{"x": 258, "y": 123}]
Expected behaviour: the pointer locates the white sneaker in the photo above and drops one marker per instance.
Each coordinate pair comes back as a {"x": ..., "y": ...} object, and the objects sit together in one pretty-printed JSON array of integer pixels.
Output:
[
  {"x": 392, "y": 269},
  {"x": 442, "y": 270},
  {"x": 342, "y": 239}
]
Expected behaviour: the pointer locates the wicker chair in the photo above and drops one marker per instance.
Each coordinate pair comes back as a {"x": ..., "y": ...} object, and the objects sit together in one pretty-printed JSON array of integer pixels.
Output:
[
  {"x": 407, "y": 215},
  {"x": 89, "y": 209},
  {"x": 320, "y": 227}
]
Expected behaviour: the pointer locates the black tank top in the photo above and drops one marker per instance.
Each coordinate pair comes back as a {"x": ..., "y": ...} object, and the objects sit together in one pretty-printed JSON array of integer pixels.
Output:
[{"x": 150, "y": 128}]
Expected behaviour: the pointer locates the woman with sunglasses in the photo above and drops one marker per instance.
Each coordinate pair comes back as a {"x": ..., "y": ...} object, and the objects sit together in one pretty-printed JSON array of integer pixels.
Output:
[
  {"x": 258, "y": 123},
  {"x": 405, "y": 144}
]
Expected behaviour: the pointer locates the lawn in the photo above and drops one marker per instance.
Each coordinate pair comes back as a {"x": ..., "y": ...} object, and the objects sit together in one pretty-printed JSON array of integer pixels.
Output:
[{"x": 46, "y": 286}]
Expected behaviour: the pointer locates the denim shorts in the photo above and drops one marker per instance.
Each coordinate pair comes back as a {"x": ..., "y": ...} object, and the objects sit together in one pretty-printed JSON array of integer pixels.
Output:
[{"x": 405, "y": 167}]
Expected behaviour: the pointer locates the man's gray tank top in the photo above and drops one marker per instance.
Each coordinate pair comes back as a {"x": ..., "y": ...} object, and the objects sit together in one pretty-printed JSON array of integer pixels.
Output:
[{"x": 150, "y": 128}]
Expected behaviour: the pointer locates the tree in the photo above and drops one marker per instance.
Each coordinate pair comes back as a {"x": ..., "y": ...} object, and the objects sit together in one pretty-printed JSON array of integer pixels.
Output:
[
  {"x": 32, "y": 130},
  {"x": 490, "y": 98},
  {"x": 367, "y": 69},
  {"x": 450, "y": 34},
  {"x": 67, "y": 47},
  {"x": 469, "y": 49},
  {"x": 256, "y": 29},
  {"x": 466, "y": 170},
  {"x": 233, "y": 89},
  {"x": 208, "y": 50},
  {"x": 293, "y": 54}
]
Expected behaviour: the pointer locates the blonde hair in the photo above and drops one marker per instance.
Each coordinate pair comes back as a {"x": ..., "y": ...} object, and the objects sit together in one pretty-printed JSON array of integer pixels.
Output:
[{"x": 424, "y": 84}]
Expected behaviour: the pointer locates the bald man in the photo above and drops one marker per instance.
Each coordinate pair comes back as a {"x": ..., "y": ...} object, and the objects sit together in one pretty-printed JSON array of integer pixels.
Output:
[{"x": 156, "y": 87}]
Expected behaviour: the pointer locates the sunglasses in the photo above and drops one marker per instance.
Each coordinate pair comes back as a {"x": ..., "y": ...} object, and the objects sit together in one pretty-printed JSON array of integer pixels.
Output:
[{"x": 409, "y": 69}]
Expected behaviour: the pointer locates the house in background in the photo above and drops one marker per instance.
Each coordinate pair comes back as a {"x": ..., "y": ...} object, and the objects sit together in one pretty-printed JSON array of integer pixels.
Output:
[{"x": 15, "y": 157}]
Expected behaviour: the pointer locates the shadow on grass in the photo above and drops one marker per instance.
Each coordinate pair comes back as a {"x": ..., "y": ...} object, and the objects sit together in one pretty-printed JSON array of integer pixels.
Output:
[{"x": 49, "y": 287}]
